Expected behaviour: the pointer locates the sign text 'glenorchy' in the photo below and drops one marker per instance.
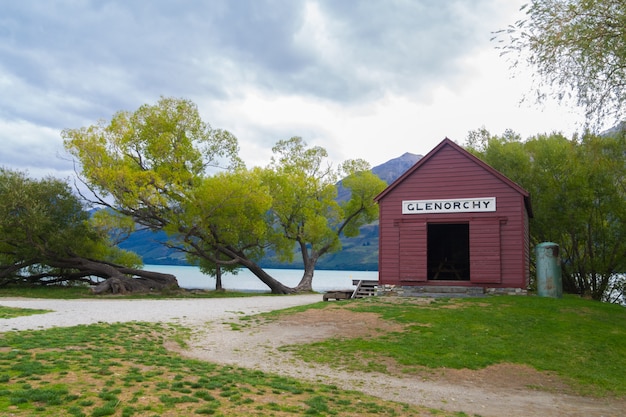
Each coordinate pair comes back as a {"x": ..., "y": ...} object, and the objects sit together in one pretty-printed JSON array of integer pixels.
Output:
[{"x": 456, "y": 205}]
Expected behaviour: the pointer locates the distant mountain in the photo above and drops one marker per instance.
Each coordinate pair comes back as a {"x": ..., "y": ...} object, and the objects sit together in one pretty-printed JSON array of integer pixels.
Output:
[
  {"x": 358, "y": 253},
  {"x": 388, "y": 171},
  {"x": 148, "y": 245},
  {"x": 392, "y": 169}
]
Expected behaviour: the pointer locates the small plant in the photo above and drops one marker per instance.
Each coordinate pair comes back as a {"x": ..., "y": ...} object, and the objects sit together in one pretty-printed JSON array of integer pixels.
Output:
[
  {"x": 107, "y": 409},
  {"x": 317, "y": 405}
]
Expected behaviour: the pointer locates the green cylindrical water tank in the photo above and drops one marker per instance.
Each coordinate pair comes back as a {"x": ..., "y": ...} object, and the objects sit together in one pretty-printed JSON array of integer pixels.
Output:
[{"x": 549, "y": 281}]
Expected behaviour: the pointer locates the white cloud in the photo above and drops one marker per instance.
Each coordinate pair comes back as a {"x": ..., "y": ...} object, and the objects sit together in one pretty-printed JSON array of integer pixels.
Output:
[
  {"x": 370, "y": 79},
  {"x": 38, "y": 150}
]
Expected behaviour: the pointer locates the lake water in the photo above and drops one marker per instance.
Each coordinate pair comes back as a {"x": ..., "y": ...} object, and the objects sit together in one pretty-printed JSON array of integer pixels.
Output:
[{"x": 190, "y": 277}]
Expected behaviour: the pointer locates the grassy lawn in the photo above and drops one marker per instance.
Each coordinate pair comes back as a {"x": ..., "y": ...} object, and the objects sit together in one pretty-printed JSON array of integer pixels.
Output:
[
  {"x": 9, "y": 312},
  {"x": 75, "y": 292},
  {"x": 583, "y": 341},
  {"x": 125, "y": 370}
]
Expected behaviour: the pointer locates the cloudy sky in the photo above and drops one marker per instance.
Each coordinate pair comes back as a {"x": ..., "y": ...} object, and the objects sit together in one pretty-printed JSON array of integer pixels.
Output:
[{"x": 368, "y": 79}]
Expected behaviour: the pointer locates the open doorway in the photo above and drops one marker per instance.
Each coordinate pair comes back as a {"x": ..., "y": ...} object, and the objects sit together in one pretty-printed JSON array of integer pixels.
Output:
[{"x": 448, "y": 251}]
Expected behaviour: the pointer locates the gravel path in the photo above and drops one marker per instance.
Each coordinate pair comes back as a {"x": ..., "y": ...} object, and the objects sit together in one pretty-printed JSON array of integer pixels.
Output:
[{"x": 188, "y": 311}]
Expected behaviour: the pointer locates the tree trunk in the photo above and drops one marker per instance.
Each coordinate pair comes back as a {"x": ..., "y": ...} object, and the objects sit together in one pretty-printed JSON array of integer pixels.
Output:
[
  {"x": 218, "y": 278},
  {"x": 275, "y": 286},
  {"x": 306, "y": 283},
  {"x": 120, "y": 279},
  {"x": 309, "y": 260},
  {"x": 145, "y": 281}
]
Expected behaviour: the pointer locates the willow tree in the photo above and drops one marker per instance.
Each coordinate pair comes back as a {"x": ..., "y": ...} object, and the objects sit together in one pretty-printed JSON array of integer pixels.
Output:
[
  {"x": 47, "y": 237},
  {"x": 578, "y": 187},
  {"x": 306, "y": 212},
  {"x": 228, "y": 223},
  {"x": 149, "y": 161},
  {"x": 577, "y": 49},
  {"x": 158, "y": 165}
]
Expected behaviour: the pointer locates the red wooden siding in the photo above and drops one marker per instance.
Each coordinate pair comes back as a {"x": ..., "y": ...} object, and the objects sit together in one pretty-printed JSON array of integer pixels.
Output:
[
  {"x": 485, "y": 251},
  {"x": 412, "y": 251},
  {"x": 499, "y": 243},
  {"x": 526, "y": 247}
]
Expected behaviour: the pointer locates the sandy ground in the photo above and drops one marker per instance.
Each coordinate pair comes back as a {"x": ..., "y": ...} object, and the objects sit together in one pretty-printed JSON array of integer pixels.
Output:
[{"x": 505, "y": 390}]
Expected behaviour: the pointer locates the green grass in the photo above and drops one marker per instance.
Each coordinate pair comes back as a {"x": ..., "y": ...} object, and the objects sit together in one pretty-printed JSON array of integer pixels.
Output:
[
  {"x": 125, "y": 370},
  {"x": 80, "y": 291},
  {"x": 10, "y": 312},
  {"x": 583, "y": 341}
]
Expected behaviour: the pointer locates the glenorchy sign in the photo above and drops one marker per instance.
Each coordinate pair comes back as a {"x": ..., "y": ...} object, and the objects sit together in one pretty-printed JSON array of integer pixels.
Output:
[{"x": 457, "y": 205}]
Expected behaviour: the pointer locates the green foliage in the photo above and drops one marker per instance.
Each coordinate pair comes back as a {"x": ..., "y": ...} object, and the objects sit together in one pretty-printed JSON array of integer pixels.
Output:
[
  {"x": 364, "y": 185},
  {"x": 42, "y": 224},
  {"x": 113, "y": 224},
  {"x": 578, "y": 48},
  {"x": 154, "y": 164},
  {"x": 578, "y": 197},
  {"x": 303, "y": 189},
  {"x": 305, "y": 211},
  {"x": 228, "y": 209},
  {"x": 39, "y": 217},
  {"x": 159, "y": 166},
  {"x": 150, "y": 160}
]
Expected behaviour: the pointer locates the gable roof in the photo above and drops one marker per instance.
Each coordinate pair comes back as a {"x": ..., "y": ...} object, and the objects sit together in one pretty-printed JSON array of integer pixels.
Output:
[{"x": 449, "y": 143}]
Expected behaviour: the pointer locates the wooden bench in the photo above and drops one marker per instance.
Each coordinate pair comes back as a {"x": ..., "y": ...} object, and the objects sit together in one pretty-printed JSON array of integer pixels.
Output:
[{"x": 338, "y": 294}]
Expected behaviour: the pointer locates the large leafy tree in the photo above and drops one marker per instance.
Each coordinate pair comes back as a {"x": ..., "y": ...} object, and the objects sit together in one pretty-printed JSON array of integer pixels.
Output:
[
  {"x": 161, "y": 166},
  {"x": 578, "y": 49},
  {"x": 578, "y": 187},
  {"x": 46, "y": 237},
  {"x": 149, "y": 160},
  {"x": 168, "y": 170},
  {"x": 228, "y": 225},
  {"x": 306, "y": 212}
]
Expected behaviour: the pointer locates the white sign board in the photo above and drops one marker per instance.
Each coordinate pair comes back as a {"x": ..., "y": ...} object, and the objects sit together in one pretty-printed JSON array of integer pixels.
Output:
[{"x": 455, "y": 205}]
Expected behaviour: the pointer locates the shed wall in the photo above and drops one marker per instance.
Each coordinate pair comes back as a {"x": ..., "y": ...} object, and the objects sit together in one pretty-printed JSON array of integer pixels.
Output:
[{"x": 499, "y": 252}]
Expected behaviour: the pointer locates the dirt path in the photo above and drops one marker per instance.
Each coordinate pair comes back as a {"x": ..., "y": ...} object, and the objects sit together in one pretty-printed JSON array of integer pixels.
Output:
[{"x": 497, "y": 391}]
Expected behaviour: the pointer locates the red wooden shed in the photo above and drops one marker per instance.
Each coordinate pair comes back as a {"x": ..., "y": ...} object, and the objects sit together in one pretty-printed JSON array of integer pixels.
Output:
[{"x": 452, "y": 220}]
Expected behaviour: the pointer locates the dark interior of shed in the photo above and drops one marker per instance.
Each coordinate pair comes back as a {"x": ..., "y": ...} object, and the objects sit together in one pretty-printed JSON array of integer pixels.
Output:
[{"x": 448, "y": 251}]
